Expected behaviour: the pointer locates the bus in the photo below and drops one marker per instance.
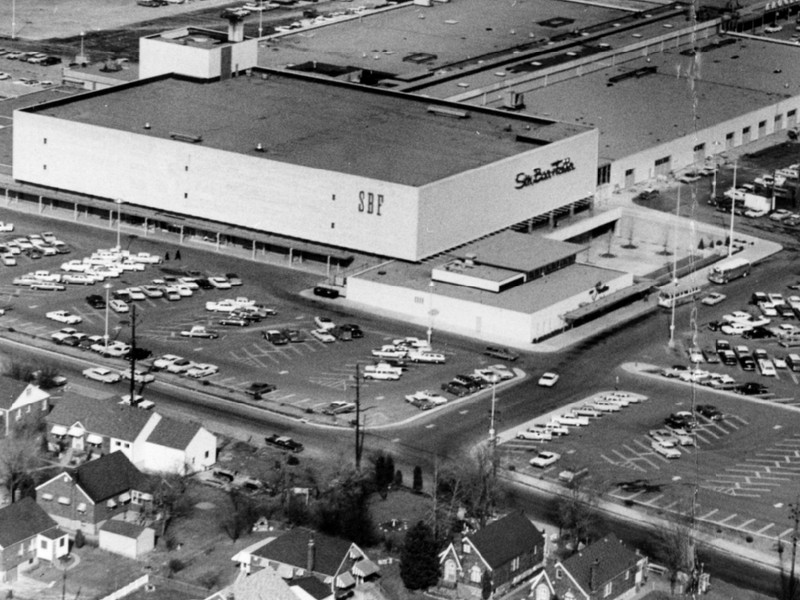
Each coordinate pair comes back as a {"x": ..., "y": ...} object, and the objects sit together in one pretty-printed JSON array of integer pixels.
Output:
[
  {"x": 677, "y": 293},
  {"x": 729, "y": 270}
]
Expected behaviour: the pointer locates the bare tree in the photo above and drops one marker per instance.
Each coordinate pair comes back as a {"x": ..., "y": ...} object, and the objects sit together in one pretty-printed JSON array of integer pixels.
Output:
[
  {"x": 169, "y": 497},
  {"x": 20, "y": 454},
  {"x": 675, "y": 550},
  {"x": 576, "y": 515}
]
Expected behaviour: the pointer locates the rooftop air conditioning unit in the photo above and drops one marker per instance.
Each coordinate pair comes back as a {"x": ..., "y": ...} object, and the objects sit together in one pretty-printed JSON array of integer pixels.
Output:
[{"x": 514, "y": 100}]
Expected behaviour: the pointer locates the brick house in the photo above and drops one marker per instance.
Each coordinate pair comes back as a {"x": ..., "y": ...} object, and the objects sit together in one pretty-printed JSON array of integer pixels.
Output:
[
  {"x": 604, "y": 570},
  {"x": 20, "y": 402},
  {"x": 28, "y": 535},
  {"x": 509, "y": 549},
  {"x": 82, "y": 429},
  {"x": 86, "y": 497}
]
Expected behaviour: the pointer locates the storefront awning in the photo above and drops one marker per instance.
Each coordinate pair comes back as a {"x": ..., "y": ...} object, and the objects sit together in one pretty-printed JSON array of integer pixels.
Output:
[
  {"x": 58, "y": 430},
  {"x": 365, "y": 568},
  {"x": 76, "y": 431},
  {"x": 93, "y": 438}
]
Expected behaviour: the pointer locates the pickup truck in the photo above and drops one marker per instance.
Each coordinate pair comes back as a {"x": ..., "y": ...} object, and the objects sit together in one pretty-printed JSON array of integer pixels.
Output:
[
  {"x": 200, "y": 331},
  {"x": 284, "y": 442}
]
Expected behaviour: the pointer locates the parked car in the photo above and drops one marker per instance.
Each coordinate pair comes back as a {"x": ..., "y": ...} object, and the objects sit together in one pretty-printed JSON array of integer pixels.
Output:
[
  {"x": 544, "y": 459},
  {"x": 324, "y": 323},
  {"x": 102, "y": 374},
  {"x": 713, "y": 299},
  {"x": 96, "y": 301},
  {"x": 200, "y": 331},
  {"x": 119, "y": 306},
  {"x": 258, "y": 389},
  {"x": 538, "y": 435},
  {"x": 284, "y": 443},
  {"x": 63, "y": 316},
  {"x": 456, "y": 388},
  {"x": 665, "y": 451},
  {"x": 548, "y": 379},
  {"x": 428, "y": 396},
  {"x": 502, "y": 353},
  {"x": 200, "y": 370},
  {"x": 275, "y": 337},
  {"x": 326, "y": 292},
  {"x": 325, "y": 337},
  {"x": 339, "y": 407}
]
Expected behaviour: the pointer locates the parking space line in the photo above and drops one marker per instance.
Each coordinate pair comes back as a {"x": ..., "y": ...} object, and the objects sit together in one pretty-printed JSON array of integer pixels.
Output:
[
  {"x": 708, "y": 514},
  {"x": 728, "y": 518},
  {"x": 784, "y": 533},
  {"x": 653, "y": 501},
  {"x": 767, "y": 526}
]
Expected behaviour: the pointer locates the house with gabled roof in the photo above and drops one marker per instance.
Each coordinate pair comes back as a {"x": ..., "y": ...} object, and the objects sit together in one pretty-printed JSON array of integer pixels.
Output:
[
  {"x": 82, "y": 428},
  {"x": 604, "y": 570},
  {"x": 86, "y": 497},
  {"x": 510, "y": 549},
  {"x": 264, "y": 584},
  {"x": 20, "y": 402},
  {"x": 27, "y": 536},
  {"x": 301, "y": 552}
]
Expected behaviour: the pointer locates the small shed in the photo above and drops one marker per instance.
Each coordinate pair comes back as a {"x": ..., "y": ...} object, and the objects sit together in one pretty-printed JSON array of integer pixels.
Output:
[{"x": 126, "y": 539}]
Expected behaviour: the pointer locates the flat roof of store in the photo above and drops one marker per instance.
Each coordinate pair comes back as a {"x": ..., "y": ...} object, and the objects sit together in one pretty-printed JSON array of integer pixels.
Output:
[
  {"x": 526, "y": 298},
  {"x": 517, "y": 251},
  {"x": 315, "y": 123},
  {"x": 727, "y": 82}
]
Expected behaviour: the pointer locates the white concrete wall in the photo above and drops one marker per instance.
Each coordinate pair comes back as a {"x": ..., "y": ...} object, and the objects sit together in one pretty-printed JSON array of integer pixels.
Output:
[
  {"x": 249, "y": 191},
  {"x": 682, "y": 149},
  {"x": 201, "y": 452},
  {"x": 487, "y": 199},
  {"x": 157, "y": 57}
]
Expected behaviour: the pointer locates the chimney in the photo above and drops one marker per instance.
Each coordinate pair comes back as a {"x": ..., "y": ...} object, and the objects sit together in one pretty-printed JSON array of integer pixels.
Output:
[
  {"x": 593, "y": 574},
  {"x": 311, "y": 555}
]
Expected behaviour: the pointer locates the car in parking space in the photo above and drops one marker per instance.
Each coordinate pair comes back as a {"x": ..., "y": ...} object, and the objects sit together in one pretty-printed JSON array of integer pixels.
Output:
[
  {"x": 96, "y": 301},
  {"x": 258, "y": 389},
  {"x": 663, "y": 436},
  {"x": 766, "y": 368},
  {"x": 424, "y": 356},
  {"x": 65, "y": 339},
  {"x": 720, "y": 381},
  {"x": 713, "y": 298},
  {"x": 152, "y": 291},
  {"x": 605, "y": 406},
  {"x": 419, "y": 403},
  {"x": 502, "y": 353},
  {"x": 779, "y": 362},
  {"x": 63, "y": 316},
  {"x": 570, "y": 419},
  {"x": 102, "y": 374},
  {"x": 456, "y": 388},
  {"x": 694, "y": 376},
  {"x": 233, "y": 279},
  {"x": 275, "y": 337},
  {"x": 428, "y": 396},
  {"x": 780, "y": 214},
  {"x": 696, "y": 355},
  {"x": 233, "y": 321},
  {"x": 537, "y": 435},
  {"x": 326, "y": 337},
  {"x": 326, "y": 292},
  {"x": 180, "y": 366},
  {"x": 710, "y": 356},
  {"x": 738, "y": 328},
  {"x": 752, "y": 388},
  {"x": 665, "y": 451},
  {"x": 48, "y": 286},
  {"x": 118, "y": 306},
  {"x": 162, "y": 362},
  {"x": 355, "y": 330},
  {"x": 381, "y": 375},
  {"x": 9, "y": 260},
  {"x": 388, "y": 351},
  {"x": 114, "y": 349},
  {"x": 548, "y": 379},
  {"x": 220, "y": 283},
  {"x": 544, "y": 459},
  {"x": 786, "y": 312},
  {"x": 472, "y": 383},
  {"x": 136, "y": 293},
  {"x": 587, "y": 410},
  {"x": 502, "y": 371},
  {"x": 767, "y": 309},
  {"x": 674, "y": 370},
  {"x": 324, "y": 323},
  {"x": 758, "y": 333},
  {"x": 293, "y": 335},
  {"x": 488, "y": 375},
  {"x": 709, "y": 411}
]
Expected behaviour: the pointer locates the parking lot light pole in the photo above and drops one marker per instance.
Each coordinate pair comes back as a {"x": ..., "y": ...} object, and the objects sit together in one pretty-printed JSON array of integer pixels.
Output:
[
  {"x": 118, "y": 202},
  {"x": 107, "y": 287},
  {"x": 431, "y": 312}
]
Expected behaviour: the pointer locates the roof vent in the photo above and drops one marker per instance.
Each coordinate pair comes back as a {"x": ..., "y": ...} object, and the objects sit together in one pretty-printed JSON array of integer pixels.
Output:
[
  {"x": 147, "y": 125},
  {"x": 185, "y": 137},
  {"x": 259, "y": 147},
  {"x": 448, "y": 112}
]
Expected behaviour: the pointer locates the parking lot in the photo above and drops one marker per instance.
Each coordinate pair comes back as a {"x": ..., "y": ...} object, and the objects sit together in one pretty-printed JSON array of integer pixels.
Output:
[{"x": 309, "y": 374}]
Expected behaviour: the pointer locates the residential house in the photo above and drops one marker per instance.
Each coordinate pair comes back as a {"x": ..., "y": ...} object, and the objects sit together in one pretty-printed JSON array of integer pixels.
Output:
[
  {"x": 99, "y": 490},
  {"x": 604, "y": 570},
  {"x": 264, "y": 584},
  {"x": 85, "y": 428},
  {"x": 27, "y": 536},
  {"x": 509, "y": 549},
  {"x": 20, "y": 402},
  {"x": 298, "y": 553}
]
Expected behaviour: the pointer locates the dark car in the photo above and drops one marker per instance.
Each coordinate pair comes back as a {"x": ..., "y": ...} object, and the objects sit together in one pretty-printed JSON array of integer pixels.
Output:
[
  {"x": 204, "y": 284},
  {"x": 709, "y": 411},
  {"x": 275, "y": 337},
  {"x": 50, "y": 61},
  {"x": 470, "y": 382},
  {"x": 355, "y": 330},
  {"x": 758, "y": 333},
  {"x": 234, "y": 321},
  {"x": 723, "y": 345},
  {"x": 715, "y": 325},
  {"x": 341, "y": 334},
  {"x": 96, "y": 301},
  {"x": 34, "y": 253},
  {"x": 502, "y": 353},
  {"x": 758, "y": 297},
  {"x": 293, "y": 335},
  {"x": 284, "y": 442},
  {"x": 747, "y": 363},
  {"x": 326, "y": 292},
  {"x": 258, "y": 389},
  {"x": 785, "y": 311},
  {"x": 456, "y": 388},
  {"x": 752, "y": 388},
  {"x": 139, "y": 354}
]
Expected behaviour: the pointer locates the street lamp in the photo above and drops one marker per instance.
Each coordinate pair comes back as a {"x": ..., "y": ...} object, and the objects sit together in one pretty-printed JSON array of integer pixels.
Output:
[
  {"x": 714, "y": 180},
  {"x": 431, "y": 311},
  {"x": 118, "y": 202},
  {"x": 107, "y": 287}
]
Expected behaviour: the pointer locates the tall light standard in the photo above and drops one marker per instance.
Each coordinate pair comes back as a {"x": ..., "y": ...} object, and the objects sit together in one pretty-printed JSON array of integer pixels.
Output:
[
  {"x": 107, "y": 287},
  {"x": 13, "y": 19},
  {"x": 714, "y": 180},
  {"x": 118, "y": 202},
  {"x": 431, "y": 311},
  {"x": 733, "y": 210}
]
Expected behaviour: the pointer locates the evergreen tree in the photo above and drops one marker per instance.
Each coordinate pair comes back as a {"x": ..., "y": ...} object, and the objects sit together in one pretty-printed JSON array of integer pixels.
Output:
[
  {"x": 380, "y": 468},
  {"x": 419, "y": 560},
  {"x": 417, "y": 486},
  {"x": 486, "y": 585},
  {"x": 388, "y": 474}
]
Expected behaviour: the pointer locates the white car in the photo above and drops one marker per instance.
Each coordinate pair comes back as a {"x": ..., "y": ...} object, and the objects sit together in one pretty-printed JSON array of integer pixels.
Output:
[
  {"x": 324, "y": 323},
  {"x": 115, "y": 349},
  {"x": 696, "y": 355},
  {"x": 488, "y": 375},
  {"x": 606, "y": 406},
  {"x": 423, "y": 356},
  {"x": 587, "y": 410},
  {"x": 780, "y": 215},
  {"x": 768, "y": 309},
  {"x": 221, "y": 283},
  {"x": 736, "y": 328},
  {"x": 544, "y": 459},
  {"x": 427, "y": 396},
  {"x": 554, "y": 427},
  {"x": 136, "y": 293},
  {"x": 737, "y": 316},
  {"x": 665, "y": 451},
  {"x": 539, "y": 435},
  {"x": 102, "y": 374},
  {"x": 571, "y": 419},
  {"x": 118, "y": 306},
  {"x": 152, "y": 291},
  {"x": 713, "y": 298},
  {"x": 503, "y": 371},
  {"x": 48, "y": 286},
  {"x": 202, "y": 370},
  {"x": 166, "y": 360},
  {"x": 548, "y": 379},
  {"x": 74, "y": 266},
  {"x": 390, "y": 352},
  {"x": 773, "y": 28},
  {"x": 324, "y": 336},
  {"x": 5, "y": 227},
  {"x": 412, "y": 342},
  {"x": 694, "y": 376},
  {"x": 754, "y": 213},
  {"x": 63, "y": 316},
  {"x": 78, "y": 279},
  {"x": 182, "y": 365},
  {"x": 377, "y": 375},
  {"x": 664, "y": 437},
  {"x": 139, "y": 376},
  {"x": 226, "y": 306}
]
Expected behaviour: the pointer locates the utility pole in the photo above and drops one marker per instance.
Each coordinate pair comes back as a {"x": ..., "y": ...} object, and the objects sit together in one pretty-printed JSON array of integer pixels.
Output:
[
  {"x": 133, "y": 352},
  {"x": 359, "y": 432},
  {"x": 794, "y": 513}
]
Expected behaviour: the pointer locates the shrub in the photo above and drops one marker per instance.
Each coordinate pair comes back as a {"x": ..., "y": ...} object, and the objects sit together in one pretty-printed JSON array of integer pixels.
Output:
[
  {"x": 209, "y": 579},
  {"x": 292, "y": 460},
  {"x": 175, "y": 565},
  {"x": 80, "y": 539}
]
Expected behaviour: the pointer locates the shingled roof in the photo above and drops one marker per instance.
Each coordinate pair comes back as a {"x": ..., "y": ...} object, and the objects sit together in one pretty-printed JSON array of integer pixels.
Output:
[
  {"x": 11, "y": 390},
  {"x": 22, "y": 520},
  {"x": 505, "y": 539},
  {"x": 101, "y": 416},
  {"x": 108, "y": 476},
  {"x": 173, "y": 434},
  {"x": 609, "y": 557},
  {"x": 291, "y": 548}
]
